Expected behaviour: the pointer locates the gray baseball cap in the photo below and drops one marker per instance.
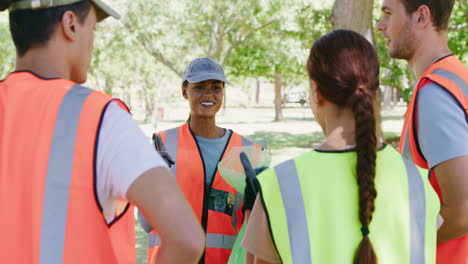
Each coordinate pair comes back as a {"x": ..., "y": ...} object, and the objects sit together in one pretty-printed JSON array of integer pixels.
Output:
[
  {"x": 203, "y": 69},
  {"x": 103, "y": 10}
]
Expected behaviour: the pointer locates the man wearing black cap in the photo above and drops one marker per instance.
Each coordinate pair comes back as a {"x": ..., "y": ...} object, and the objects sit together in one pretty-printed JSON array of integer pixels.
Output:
[{"x": 71, "y": 158}]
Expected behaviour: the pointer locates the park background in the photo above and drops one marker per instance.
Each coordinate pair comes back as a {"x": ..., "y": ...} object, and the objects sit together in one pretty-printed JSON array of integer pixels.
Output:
[{"x": 262, "y": 45}]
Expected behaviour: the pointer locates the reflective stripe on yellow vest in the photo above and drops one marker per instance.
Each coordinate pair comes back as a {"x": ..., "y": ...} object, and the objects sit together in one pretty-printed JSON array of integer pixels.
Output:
[{"x": 312, "y": 205}]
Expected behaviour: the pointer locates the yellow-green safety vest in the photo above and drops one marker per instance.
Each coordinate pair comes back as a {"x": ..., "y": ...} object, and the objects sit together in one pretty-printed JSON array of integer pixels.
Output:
[{"x": 312, "y": 203}]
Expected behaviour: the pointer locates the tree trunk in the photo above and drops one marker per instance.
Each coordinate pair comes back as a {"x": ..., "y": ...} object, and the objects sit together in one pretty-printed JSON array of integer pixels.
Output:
[
  {"x": 355, "y": 15},
  {"x": 278, "y": 108},
  {"x": 387, "y": 97},
  {"x": 378, "y": 117},
  {"x": 394, "y": 96},
  {"x": 257, "y": 92},
  {"x": 224, "y": 103}
]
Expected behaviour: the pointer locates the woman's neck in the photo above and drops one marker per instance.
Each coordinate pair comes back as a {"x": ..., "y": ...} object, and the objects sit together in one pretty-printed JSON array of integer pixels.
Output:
[
  {"x": 206, "y": 127},
  {"x": 339, "y": 138},
  {"x": 339, "y": 131}
]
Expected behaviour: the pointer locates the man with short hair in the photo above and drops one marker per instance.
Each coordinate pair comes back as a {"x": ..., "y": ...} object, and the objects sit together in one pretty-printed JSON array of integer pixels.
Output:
[
  {"x": 435, "y": 133},
  {"x": 71, "y": 158}
]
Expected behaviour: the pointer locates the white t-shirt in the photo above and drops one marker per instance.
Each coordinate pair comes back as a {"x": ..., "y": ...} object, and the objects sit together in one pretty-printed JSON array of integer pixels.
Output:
[{"x": 123, "y": 154}]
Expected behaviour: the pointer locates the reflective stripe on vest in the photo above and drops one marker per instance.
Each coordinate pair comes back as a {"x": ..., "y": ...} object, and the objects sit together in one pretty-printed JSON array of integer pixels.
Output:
[
  {"x": 406, "y": 152},
  {"x": 448, "y": 73},
  {"x": 417, "y": 212},
  {"x": 246, "y": 142},
  {"x": 212, "y": 241},
  {"x": 294, "y": 191},
  {"x": 59, "y": 173},
  {"x": 181, "y": 144},
  {"x": 455, "y": 78},
  {"x": 291, "y": 194},
  {"x": 171, "y": 146},
  {"x": 172, "y": 140},
  {"x": 452, "y": 76},
  {"x": 48, "y": 167}
]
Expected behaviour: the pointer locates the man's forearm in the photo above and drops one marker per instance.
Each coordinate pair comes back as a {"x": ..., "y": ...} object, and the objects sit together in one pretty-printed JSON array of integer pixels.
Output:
[
  {"x": 172, "y": 254},
  {"x": 452, "y": 176},
  {"x": 454, "y": 225}
]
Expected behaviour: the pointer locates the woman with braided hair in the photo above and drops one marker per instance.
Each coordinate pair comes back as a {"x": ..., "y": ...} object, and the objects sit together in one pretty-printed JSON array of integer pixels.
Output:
[{"x": 352, "y": 199}]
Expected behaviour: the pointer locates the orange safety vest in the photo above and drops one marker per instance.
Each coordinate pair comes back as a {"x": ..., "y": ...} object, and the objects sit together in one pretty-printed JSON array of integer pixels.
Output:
[
  {"x": 452, "y": 75},
  {"x": 218, "y": 208},
  {"x": 50, "y": 212}
]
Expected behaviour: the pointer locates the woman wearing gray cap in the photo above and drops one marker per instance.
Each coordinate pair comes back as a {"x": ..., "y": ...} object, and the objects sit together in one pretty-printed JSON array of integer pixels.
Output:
[{"x": 197, "y": 146}]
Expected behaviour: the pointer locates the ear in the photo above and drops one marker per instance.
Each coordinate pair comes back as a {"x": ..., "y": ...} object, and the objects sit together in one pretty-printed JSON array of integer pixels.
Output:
[
  {"x": 70, "y": 26},
  {"x": 423, "y": 17},
  {"x": 315, "y": 93},
  {"x": 319, "y": 98},
  {"x": 184, "y": 92}
]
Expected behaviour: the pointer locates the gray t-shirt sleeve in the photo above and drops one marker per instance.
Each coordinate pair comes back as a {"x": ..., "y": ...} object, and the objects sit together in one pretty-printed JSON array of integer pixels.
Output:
[{"x": 442, "y": 125}]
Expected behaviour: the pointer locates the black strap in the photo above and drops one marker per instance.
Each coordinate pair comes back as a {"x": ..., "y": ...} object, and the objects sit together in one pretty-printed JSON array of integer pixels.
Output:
[
  {"x": 161, "y": 149},
  {"x": 252, "y": 186},
  {"x": 158, "y": 143}
]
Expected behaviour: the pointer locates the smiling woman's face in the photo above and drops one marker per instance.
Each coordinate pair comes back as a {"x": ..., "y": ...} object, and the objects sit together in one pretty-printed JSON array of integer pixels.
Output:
[{"x": 205, "y": 98}]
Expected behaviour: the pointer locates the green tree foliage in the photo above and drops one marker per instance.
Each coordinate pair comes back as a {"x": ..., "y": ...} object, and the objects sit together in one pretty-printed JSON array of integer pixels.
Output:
[
  {"x": 124, "y": 69},
  {"x": 458, "y": 30},
  {"x": 7, "y": 49},
  {"x": 252, "y": 39},
  {"x": 279, "y": 52},
  {"x": 282, "y": 47},
  {"x": 187, "y": 29}
]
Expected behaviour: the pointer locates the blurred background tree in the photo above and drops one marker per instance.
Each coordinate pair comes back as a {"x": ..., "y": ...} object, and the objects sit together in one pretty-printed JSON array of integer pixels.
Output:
[{"x": 141, "y": 57}]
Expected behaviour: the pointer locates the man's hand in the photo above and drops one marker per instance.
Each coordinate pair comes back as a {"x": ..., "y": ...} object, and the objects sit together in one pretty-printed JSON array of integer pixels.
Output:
[{"x": 452, "y": 176}]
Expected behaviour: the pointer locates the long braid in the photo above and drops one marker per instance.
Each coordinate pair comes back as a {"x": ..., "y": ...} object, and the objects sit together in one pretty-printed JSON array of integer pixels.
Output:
[
  {"x": 366, "y": 145},
  {"x": 345, "y": 69}
]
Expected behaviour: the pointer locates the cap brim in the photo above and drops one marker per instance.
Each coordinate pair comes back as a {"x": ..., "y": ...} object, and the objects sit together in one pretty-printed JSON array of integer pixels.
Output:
[
  {"x": 206, "y": 76},
  {"x": 106, "y": 10}
]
